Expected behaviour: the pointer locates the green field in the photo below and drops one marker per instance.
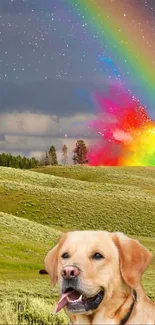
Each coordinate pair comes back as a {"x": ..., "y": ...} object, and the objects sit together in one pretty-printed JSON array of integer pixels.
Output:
[{"x": 35, "y": 206}]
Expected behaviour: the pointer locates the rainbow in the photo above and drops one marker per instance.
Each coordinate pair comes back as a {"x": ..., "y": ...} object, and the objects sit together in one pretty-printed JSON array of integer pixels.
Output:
[
  {"x": 126, "y": 132},
  {"x": 126, "y": 36}
]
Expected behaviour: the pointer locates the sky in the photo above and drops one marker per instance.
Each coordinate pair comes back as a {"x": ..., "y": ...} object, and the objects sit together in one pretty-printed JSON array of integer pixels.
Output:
[{"x": 50, "y": 63}]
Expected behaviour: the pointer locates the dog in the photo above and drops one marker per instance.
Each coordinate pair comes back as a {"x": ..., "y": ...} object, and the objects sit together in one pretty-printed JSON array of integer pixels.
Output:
[{"x": 99, "y": 275}]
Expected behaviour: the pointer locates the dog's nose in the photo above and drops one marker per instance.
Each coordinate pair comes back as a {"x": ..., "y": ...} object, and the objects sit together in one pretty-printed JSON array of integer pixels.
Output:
[{"x": 70, "y": 272}]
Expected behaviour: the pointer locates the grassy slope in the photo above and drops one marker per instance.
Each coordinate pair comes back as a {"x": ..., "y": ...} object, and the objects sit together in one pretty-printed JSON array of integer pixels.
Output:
[
  {"x": 111, "y": 198},
  {"x": 23, "y": 245}
]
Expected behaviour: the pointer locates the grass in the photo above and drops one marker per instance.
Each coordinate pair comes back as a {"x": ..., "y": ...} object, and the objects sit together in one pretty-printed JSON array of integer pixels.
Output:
[
  {"x": 30, "y": 311},
  {"x": 23, "y": 244},
  {"x": 35, "y": 206},
  {"x": 112, "y": 198},
  {"x": 25, "y": 296},
  {"x": 126, "y": 175}
]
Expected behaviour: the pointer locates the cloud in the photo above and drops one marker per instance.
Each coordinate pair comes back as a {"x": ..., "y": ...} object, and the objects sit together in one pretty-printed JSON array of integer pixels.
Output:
[
  {"x": 36, "y": 115},
  {"x": 58, "y": 97},
  {"x": 28, "y": 143},
  {"x": 35, "y": 124},
  {"x": 25, "y": 123},
  {"x": 32, "y": 134}
]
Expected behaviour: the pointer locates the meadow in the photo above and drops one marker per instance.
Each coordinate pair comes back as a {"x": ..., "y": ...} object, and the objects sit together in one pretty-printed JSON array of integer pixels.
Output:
[{"x": 37, "y": 205}]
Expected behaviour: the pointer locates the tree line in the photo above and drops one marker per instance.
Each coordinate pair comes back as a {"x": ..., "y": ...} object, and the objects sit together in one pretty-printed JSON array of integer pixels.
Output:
[
  {"x": 8, "y": 160},
  {"x": 48, "y": 159}
]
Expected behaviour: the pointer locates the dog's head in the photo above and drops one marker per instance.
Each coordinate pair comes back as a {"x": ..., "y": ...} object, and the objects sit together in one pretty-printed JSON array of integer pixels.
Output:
[{"x": 91, "y": 266}]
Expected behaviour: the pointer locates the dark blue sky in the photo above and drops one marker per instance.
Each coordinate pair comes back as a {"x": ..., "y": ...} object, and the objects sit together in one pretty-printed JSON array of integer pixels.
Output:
[{"x": 49, "y": 64}]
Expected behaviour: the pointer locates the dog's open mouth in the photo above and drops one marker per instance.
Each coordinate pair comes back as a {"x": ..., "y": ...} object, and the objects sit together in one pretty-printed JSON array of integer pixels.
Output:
[{"x": 75, "y": 302}]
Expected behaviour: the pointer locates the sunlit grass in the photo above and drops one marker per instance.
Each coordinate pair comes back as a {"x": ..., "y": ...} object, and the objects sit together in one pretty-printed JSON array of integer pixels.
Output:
[
  {"x": 36, "y": 206},
  {"x": 113, "y": 199}
]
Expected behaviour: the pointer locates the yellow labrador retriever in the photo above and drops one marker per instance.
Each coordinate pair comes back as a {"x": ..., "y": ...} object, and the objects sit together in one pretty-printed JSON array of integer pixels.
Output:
[{"x": 99, "y": 277}]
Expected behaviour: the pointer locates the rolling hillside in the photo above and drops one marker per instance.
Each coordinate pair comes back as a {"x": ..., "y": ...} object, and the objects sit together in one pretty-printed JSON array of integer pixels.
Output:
[{"x": 35, "y": 206}]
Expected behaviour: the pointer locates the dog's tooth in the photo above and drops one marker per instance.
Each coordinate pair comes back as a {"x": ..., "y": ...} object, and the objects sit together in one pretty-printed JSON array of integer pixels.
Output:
[
  {"x": 69, "y": 299},
  {"x": 73, "y": 301}
]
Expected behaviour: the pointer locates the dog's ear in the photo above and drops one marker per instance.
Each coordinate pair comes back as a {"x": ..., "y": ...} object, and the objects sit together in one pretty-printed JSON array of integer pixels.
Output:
[
  {"x": 134, "y": 258},
  {"x": 51, "y": 264},
  {"x": 51, "y": 260}
]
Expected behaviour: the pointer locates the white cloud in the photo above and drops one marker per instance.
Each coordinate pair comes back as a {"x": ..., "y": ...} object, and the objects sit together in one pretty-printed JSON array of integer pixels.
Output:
[
  {"x": 28, "y": 123},
  {"x": 33, "y": 134}
]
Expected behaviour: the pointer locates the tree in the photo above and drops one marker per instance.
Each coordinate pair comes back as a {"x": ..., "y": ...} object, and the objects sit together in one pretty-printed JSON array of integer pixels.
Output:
[
  {"x": 42, "y": 159},
  {"x": 64, "y": 155},
  {"x": 8, "y": 160},
  {"x": 52, "y": 156},
  {"x": 80, "y": 153},
  {"x": 47, "y": 159}
]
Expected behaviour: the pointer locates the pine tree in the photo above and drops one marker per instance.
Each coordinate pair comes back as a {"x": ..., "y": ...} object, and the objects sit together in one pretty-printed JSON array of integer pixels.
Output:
[
  {"x": 47, "y": 159},
  {"x": 53, "y": 156},
  {"x": 80, "y": 153},
  {"x": 64, "y": 155},
  {"x": 8, "y": 160}
]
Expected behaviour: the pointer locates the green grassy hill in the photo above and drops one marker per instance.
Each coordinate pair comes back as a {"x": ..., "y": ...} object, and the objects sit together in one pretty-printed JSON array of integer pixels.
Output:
[
  {"x": 25, "y": 296},
  {"x": 110, "y": 198},
  {"x": 35, "y": 206}
]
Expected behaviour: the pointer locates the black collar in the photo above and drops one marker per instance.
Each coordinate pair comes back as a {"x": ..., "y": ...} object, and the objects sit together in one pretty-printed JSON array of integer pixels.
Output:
[{"x": 127, "y": 316}]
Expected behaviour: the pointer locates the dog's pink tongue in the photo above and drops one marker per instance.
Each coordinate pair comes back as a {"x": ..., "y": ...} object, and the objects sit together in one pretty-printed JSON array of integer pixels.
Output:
[{"x": 62, "y": 302}]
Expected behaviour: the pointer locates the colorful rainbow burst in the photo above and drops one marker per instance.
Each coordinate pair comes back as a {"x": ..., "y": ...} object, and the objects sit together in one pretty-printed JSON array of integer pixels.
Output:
[{"x": 127, "y": 133}]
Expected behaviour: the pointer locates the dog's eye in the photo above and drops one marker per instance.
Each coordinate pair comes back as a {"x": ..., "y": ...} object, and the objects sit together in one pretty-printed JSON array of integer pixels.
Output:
[
  {"x": 65, "y": 255},
  {"x": 97, "y": 256}
]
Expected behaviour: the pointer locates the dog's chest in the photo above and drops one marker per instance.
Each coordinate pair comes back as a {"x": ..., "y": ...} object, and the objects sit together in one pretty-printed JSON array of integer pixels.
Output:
[{"x": 97, "y": 320}]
